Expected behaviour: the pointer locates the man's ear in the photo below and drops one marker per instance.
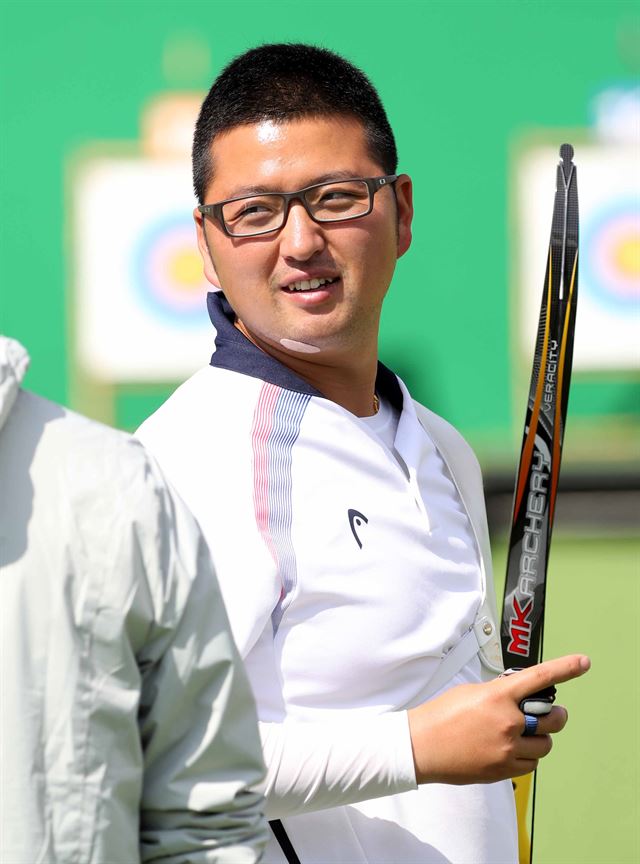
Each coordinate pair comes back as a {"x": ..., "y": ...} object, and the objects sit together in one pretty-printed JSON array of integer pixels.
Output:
[
  {"x": 404, "y": 197},
  {"x": 207, "y": 261}
]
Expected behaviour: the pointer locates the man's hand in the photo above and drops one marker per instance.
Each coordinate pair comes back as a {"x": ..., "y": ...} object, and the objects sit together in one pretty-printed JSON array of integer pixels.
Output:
[{"x": 473, "y": 733}]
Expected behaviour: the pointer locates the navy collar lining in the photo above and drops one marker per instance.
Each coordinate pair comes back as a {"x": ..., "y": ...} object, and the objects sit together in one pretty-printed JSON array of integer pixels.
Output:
[{"x": 236, "y": 353}]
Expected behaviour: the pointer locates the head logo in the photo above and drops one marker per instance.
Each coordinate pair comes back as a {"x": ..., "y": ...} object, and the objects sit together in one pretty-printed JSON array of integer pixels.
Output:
[{"x": 355, "y": 521}]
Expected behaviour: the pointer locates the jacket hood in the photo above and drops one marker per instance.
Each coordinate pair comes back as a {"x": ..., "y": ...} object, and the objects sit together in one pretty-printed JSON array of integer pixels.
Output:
[{"x": 14, "y": 362}]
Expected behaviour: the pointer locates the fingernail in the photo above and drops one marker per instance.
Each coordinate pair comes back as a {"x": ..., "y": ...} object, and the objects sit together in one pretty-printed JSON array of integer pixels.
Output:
[{"x": 585, "y": 663}]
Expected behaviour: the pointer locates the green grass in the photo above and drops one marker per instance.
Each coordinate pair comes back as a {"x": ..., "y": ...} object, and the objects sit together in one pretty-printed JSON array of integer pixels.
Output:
[{"x": 588, "y": 799}]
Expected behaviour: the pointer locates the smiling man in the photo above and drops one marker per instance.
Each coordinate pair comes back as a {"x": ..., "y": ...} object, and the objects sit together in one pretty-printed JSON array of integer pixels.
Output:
[
  {"x": 308, "y": 292},
  {"x": 346, "y": 521}
]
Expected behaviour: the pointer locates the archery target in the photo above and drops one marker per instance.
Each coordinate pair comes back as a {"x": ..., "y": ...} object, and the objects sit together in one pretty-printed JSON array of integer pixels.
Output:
[
  {"x": 612, "y": 257},
  {"x": 607, "y": 335},
  {"x": 140, "y": 293},
  {"x": 167, "y": 271}
]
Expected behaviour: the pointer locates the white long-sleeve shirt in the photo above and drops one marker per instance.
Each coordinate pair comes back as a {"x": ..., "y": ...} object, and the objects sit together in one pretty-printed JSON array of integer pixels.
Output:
[{"x": 349, "y": 570}]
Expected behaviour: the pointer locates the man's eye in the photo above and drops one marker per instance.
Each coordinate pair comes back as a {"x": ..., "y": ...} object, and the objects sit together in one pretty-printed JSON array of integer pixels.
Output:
[
  {"x": 254, "y": 208},
  {"x": 250, "y": 210},
  {"x": 337, "y": 195}
]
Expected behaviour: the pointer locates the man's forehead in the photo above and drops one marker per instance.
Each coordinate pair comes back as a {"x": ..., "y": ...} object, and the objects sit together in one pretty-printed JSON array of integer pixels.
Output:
[
  {"x": 270, "y": 131},
  {"x": 267, "y": 131},
  {"x": 271, "y": 155}
]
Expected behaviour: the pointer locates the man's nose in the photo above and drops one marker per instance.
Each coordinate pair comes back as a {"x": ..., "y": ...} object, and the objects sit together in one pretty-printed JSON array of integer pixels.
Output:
[{"x": 301, "y": 237}]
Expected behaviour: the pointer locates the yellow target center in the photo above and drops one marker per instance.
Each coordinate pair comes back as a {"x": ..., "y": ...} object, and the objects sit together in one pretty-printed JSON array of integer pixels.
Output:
[
  {"x": 185, "y": 270},
  {"x": 627, "y": 255}
]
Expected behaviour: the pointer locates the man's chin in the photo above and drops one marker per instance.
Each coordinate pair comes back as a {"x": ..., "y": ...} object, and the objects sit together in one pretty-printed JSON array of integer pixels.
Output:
[{"x": 297, "y": 344}]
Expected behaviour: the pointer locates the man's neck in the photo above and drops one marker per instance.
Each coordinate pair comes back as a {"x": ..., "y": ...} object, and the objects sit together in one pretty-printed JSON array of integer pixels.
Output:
[
  {"x": 351, "y": 387},
  {"x": 347, "y": 381}
]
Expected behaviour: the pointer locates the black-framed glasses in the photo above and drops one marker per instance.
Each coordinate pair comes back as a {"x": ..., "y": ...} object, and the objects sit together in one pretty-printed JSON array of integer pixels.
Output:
[{"x": 334, "y": 201}]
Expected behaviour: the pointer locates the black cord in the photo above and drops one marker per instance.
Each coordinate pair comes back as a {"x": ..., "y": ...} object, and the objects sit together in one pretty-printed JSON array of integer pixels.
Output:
[
  {"x": 283, "y": 840},
  {"x": 535, "y": 773}
]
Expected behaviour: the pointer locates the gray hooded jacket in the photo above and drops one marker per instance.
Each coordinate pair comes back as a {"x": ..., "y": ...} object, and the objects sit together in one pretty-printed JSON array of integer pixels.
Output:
[{"x": 128, "y": 731}]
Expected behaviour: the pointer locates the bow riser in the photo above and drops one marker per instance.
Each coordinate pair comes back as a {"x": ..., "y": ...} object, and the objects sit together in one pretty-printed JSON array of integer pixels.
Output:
[{"x": 539, "y": 468}]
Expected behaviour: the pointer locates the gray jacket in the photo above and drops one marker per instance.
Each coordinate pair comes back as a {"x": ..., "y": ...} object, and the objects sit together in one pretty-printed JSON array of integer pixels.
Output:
[{"x": 128, "y": 732}]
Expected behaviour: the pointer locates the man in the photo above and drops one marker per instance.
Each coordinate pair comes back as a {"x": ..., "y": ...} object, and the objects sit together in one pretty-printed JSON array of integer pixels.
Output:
[
  {"x": 128, "y": 731},
  {"x": 346, "y": 522}
]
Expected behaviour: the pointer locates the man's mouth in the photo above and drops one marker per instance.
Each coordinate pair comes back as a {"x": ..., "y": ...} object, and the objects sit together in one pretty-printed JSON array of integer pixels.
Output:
[{"x": 309, "y": 284}]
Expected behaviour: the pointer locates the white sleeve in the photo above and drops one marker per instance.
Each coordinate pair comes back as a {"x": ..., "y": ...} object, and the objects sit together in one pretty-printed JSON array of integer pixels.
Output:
[{"x": 311, "y": 766}]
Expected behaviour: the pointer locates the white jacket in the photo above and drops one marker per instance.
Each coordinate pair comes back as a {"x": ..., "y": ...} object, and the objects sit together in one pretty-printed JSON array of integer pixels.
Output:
[{"x": 128, "y": 732}]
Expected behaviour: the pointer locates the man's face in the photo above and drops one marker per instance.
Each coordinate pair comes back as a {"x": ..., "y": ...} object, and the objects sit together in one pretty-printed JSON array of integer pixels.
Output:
[{"x": 258, "y": 274}]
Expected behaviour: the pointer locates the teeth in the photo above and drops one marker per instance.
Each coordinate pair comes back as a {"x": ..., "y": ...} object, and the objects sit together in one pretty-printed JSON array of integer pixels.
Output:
[{"x": 308, "y": 284}]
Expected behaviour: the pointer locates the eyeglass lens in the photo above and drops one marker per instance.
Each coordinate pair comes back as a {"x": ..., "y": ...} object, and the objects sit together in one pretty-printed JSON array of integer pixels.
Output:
[{"x": 330, "y": 202}]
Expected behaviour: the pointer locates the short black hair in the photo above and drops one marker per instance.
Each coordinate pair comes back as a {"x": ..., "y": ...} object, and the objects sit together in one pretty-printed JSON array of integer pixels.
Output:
[{"x": 283, "y": 82}]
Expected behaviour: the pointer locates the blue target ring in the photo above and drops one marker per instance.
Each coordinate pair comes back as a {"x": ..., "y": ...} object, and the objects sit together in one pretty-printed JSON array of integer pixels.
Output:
[
  {"x": 167, "y": 272},
  {"x": 611, "y": 244}
]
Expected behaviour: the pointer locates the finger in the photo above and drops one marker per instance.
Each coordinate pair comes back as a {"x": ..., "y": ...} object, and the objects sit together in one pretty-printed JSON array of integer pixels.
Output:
[
  {"x": 545, "y": 674},
  {"x": 534, "y": 747},
  {"x": 554, "y": 721},
  {"x": 524, "y": 766}
]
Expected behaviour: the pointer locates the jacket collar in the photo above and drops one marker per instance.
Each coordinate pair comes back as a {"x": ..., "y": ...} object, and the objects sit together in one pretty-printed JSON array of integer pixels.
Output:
[{"x": 236, "y": 353}]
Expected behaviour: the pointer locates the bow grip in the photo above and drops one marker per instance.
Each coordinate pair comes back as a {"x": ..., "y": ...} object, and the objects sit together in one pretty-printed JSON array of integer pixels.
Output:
[{"x": 538, "y": 703}]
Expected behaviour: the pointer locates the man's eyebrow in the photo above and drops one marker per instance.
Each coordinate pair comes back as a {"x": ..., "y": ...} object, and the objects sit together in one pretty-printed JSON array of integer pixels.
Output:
[{"x": 242, "y": 191}]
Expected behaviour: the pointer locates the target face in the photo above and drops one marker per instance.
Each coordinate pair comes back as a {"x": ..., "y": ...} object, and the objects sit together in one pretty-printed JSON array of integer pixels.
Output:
[
  {"x": 140, "y": 292},
  {"x": 607, "y": 332},
  {"x": 167, "y": 271},
  {"x": 612, "y": 257}
]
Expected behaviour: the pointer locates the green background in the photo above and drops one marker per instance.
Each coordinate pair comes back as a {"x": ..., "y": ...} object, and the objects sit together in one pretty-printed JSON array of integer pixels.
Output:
[{"x": 464, "y": 85}]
